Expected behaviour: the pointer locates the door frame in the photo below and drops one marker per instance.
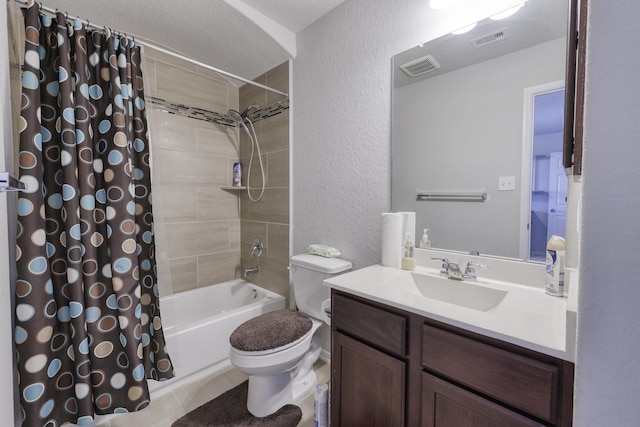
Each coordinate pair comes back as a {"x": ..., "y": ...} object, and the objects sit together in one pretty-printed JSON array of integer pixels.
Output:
[{"x": 527, "y": 160}]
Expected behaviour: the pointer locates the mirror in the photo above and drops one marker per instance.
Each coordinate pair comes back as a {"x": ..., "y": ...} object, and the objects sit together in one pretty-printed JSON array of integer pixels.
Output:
[{"x": 471, "y": 126}]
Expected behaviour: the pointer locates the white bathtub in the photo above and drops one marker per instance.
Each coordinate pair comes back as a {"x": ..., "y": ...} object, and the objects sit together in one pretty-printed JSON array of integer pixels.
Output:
[{"x": 197, "y": 324}]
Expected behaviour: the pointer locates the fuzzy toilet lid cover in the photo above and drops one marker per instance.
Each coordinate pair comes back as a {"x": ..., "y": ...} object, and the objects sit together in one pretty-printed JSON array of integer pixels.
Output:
[{"x": 270, "y": 330}]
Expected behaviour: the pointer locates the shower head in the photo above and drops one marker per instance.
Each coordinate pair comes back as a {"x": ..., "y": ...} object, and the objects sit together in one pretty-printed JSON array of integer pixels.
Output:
[
  {"x": 237, "y": 117},
  {"x": 240, "y": 117},
  {"x": 245, "y": 113}
]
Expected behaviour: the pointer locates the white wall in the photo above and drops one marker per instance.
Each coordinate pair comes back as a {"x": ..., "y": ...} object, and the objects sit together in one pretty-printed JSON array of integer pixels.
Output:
[
  {"x": 341, "y": 119},
  {"x": 341, "y": 150},
  {"x": 608, "y": 364},
  {"x": 7, "y": 231}
]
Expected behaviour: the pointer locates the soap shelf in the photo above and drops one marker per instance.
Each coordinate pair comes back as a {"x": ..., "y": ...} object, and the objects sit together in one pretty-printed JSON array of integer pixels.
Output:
[
  {"x": 231, "y": 188},
  {"x": 9, "y": 183},
  {"x": 457, "y": 197}
]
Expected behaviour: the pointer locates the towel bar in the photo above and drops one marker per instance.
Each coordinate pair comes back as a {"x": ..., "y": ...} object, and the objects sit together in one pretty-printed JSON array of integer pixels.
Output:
[
  {"x": 9, "y": 183},
  {"x": 457, "y": 197}
]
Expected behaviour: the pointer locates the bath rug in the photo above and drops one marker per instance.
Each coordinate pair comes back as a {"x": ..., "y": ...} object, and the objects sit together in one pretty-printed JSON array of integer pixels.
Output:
[
  {"x": 230, "y": 410},
  {"x": 270, "y": 330}
]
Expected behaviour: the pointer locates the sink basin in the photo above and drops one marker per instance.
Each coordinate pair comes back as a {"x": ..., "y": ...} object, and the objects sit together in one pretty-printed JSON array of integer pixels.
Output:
[{"x": 464, "y": 294}]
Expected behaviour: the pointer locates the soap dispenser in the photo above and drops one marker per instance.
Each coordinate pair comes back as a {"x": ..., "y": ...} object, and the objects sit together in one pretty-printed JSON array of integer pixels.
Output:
[
  {"x": 408, "y": 261},
  {"x": 425, "y": 243}
]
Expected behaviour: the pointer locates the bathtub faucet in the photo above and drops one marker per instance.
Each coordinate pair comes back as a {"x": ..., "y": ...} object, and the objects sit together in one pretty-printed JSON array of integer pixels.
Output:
[{"x": 248, "y": 271}]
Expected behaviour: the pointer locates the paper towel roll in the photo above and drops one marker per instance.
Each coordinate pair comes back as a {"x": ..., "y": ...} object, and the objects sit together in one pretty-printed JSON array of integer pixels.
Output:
[
  {"x": 326, "y": 317},
  {"x": 392, "y": 224},
  {"x": 409, "y": 226}
]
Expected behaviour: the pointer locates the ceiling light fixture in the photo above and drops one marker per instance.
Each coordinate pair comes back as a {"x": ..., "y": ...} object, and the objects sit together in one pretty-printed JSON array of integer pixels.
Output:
[
  {"x": 441, "y": 4},
  {"x": 465, "y": 29},
  {"x": 507, "y": 13}
]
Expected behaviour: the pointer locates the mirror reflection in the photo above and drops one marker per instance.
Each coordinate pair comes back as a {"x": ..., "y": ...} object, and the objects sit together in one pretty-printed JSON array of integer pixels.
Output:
[{"x": 482, "y": 113}]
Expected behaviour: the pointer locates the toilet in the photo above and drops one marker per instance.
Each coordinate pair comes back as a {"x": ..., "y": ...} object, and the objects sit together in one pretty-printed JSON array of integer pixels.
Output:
[{"x": 277, "y": 350}]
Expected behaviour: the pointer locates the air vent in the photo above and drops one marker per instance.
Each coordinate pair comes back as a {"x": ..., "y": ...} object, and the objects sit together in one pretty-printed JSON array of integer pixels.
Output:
[
  {"x": 496, "y": 36},
  {"x": 419, "y": 66}
]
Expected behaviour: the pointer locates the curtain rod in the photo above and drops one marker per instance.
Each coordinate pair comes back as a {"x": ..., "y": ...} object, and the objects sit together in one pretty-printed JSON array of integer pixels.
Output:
[{"x": 163, "y": 50}]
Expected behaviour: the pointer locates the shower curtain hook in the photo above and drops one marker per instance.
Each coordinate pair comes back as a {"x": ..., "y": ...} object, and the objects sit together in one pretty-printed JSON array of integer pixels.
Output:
[
  {"x": 107, "y": 32},
  {"x": 30, "y": 3}
]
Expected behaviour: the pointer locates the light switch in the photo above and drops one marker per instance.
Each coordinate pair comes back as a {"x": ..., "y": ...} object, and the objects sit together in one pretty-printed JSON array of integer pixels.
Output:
[{"x": 506, "y": 183}]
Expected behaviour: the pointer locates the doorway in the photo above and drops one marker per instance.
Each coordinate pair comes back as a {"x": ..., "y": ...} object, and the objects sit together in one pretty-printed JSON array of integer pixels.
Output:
[{"x": 545, "y": 204}]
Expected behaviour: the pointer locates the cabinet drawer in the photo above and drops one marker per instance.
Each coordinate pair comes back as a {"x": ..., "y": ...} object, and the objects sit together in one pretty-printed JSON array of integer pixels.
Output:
[
  {"x": 518, "y": 381},
  {"x": 444, "y": 404},
  {"x": 378, "y": 327}
]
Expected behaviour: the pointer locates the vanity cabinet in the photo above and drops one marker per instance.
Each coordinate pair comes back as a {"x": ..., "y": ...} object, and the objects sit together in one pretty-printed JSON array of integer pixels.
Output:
[
  {"x": 368, "y": 376},
  {"x": 395, "y": 368}
]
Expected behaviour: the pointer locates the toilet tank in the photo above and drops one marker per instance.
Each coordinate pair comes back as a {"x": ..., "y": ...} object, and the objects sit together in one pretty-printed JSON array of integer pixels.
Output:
[{"x": 307, "y": 273}]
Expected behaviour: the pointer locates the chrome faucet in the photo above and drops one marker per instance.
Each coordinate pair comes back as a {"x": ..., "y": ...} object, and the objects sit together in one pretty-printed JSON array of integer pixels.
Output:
[
  {"x": 256, "y": 248},
  {"x": 248, "y": 271},
  {"x": 453, "y": 271},
  {"x": 470, "y": 271},
  {"x": 450, "y": 269}
]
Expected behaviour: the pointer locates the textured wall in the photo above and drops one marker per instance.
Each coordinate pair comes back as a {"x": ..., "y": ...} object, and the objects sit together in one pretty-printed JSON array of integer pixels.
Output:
[
  {"x": 341, "y": 119},
  {"x": 608, "y": 366}
]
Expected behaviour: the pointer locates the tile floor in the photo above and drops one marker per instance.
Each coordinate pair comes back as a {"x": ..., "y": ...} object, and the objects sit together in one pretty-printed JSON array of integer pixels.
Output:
[{"x": 170, "y": 406}]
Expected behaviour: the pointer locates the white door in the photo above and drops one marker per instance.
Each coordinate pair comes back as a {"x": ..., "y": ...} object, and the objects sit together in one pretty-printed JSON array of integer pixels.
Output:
[
  {"x": 535, "y": 115},
  {"x": 557, "y": 209}
]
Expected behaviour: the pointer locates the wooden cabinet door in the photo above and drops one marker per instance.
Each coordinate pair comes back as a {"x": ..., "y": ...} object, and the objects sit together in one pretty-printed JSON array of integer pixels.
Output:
[
  {"x": 368, "y": 386},
  {"x": 446, "y": 405}
]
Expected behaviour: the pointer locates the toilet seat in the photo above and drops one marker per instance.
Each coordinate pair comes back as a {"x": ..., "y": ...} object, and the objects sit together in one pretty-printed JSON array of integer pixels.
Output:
[
  {"x": 271, "y": 361},
  {"x": 272, "y": 350},
  {"x": 271, "y": 332}
]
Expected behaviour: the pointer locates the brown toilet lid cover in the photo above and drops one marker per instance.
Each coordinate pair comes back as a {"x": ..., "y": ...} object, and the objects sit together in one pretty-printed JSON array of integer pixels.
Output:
[{"x": 270, "y": 330}]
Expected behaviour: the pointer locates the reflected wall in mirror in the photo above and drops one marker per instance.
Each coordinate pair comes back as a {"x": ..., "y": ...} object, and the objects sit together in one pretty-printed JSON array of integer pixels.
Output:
[{"x": 468, "y": 126}]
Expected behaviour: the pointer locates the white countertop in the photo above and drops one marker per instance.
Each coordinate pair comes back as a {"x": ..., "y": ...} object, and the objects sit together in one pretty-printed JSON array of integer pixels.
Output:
[{"x": 526, "y": 316}]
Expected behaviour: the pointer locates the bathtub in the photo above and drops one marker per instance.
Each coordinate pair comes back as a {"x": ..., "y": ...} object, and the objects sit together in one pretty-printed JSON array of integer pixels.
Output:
[{"x": 197, "y": 324}]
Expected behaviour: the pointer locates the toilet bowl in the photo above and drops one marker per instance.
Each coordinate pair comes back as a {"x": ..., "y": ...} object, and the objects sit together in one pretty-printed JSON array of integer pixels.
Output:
[
  {"x": 277, "y": 350},
  {"x": 281, "y": 375}
]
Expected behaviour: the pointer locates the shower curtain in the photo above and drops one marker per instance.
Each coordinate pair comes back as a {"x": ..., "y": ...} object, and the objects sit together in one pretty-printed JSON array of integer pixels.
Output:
[{"x": 87, "y": 323}]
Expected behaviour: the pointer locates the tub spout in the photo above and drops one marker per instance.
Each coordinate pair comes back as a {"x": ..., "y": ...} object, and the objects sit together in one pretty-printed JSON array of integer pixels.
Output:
[{"x": 248, "y": 271}]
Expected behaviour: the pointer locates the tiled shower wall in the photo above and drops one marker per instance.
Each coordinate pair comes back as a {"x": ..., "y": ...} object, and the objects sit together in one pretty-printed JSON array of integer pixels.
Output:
[
  {"x": 267, "y": 219},
  {"x": 201, "y": 236},
  {"x": 197, "y": 224}
]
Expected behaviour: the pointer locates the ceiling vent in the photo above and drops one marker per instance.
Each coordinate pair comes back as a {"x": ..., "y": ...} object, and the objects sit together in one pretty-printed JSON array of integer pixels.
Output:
[
  {"x": 496, "y": 36},
  {"x": 419, "y": 66}
]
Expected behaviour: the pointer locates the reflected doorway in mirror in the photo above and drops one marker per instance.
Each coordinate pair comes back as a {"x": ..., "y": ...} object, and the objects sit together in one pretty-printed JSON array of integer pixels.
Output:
[{"x": 544, "y": 207}]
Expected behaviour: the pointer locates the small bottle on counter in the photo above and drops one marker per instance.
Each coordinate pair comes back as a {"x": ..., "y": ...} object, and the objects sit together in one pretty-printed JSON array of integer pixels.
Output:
[
  {"x": 554, "y": 274},
  {"x": 425, "y": 243},
  {"x": 408, "y": 261}
]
